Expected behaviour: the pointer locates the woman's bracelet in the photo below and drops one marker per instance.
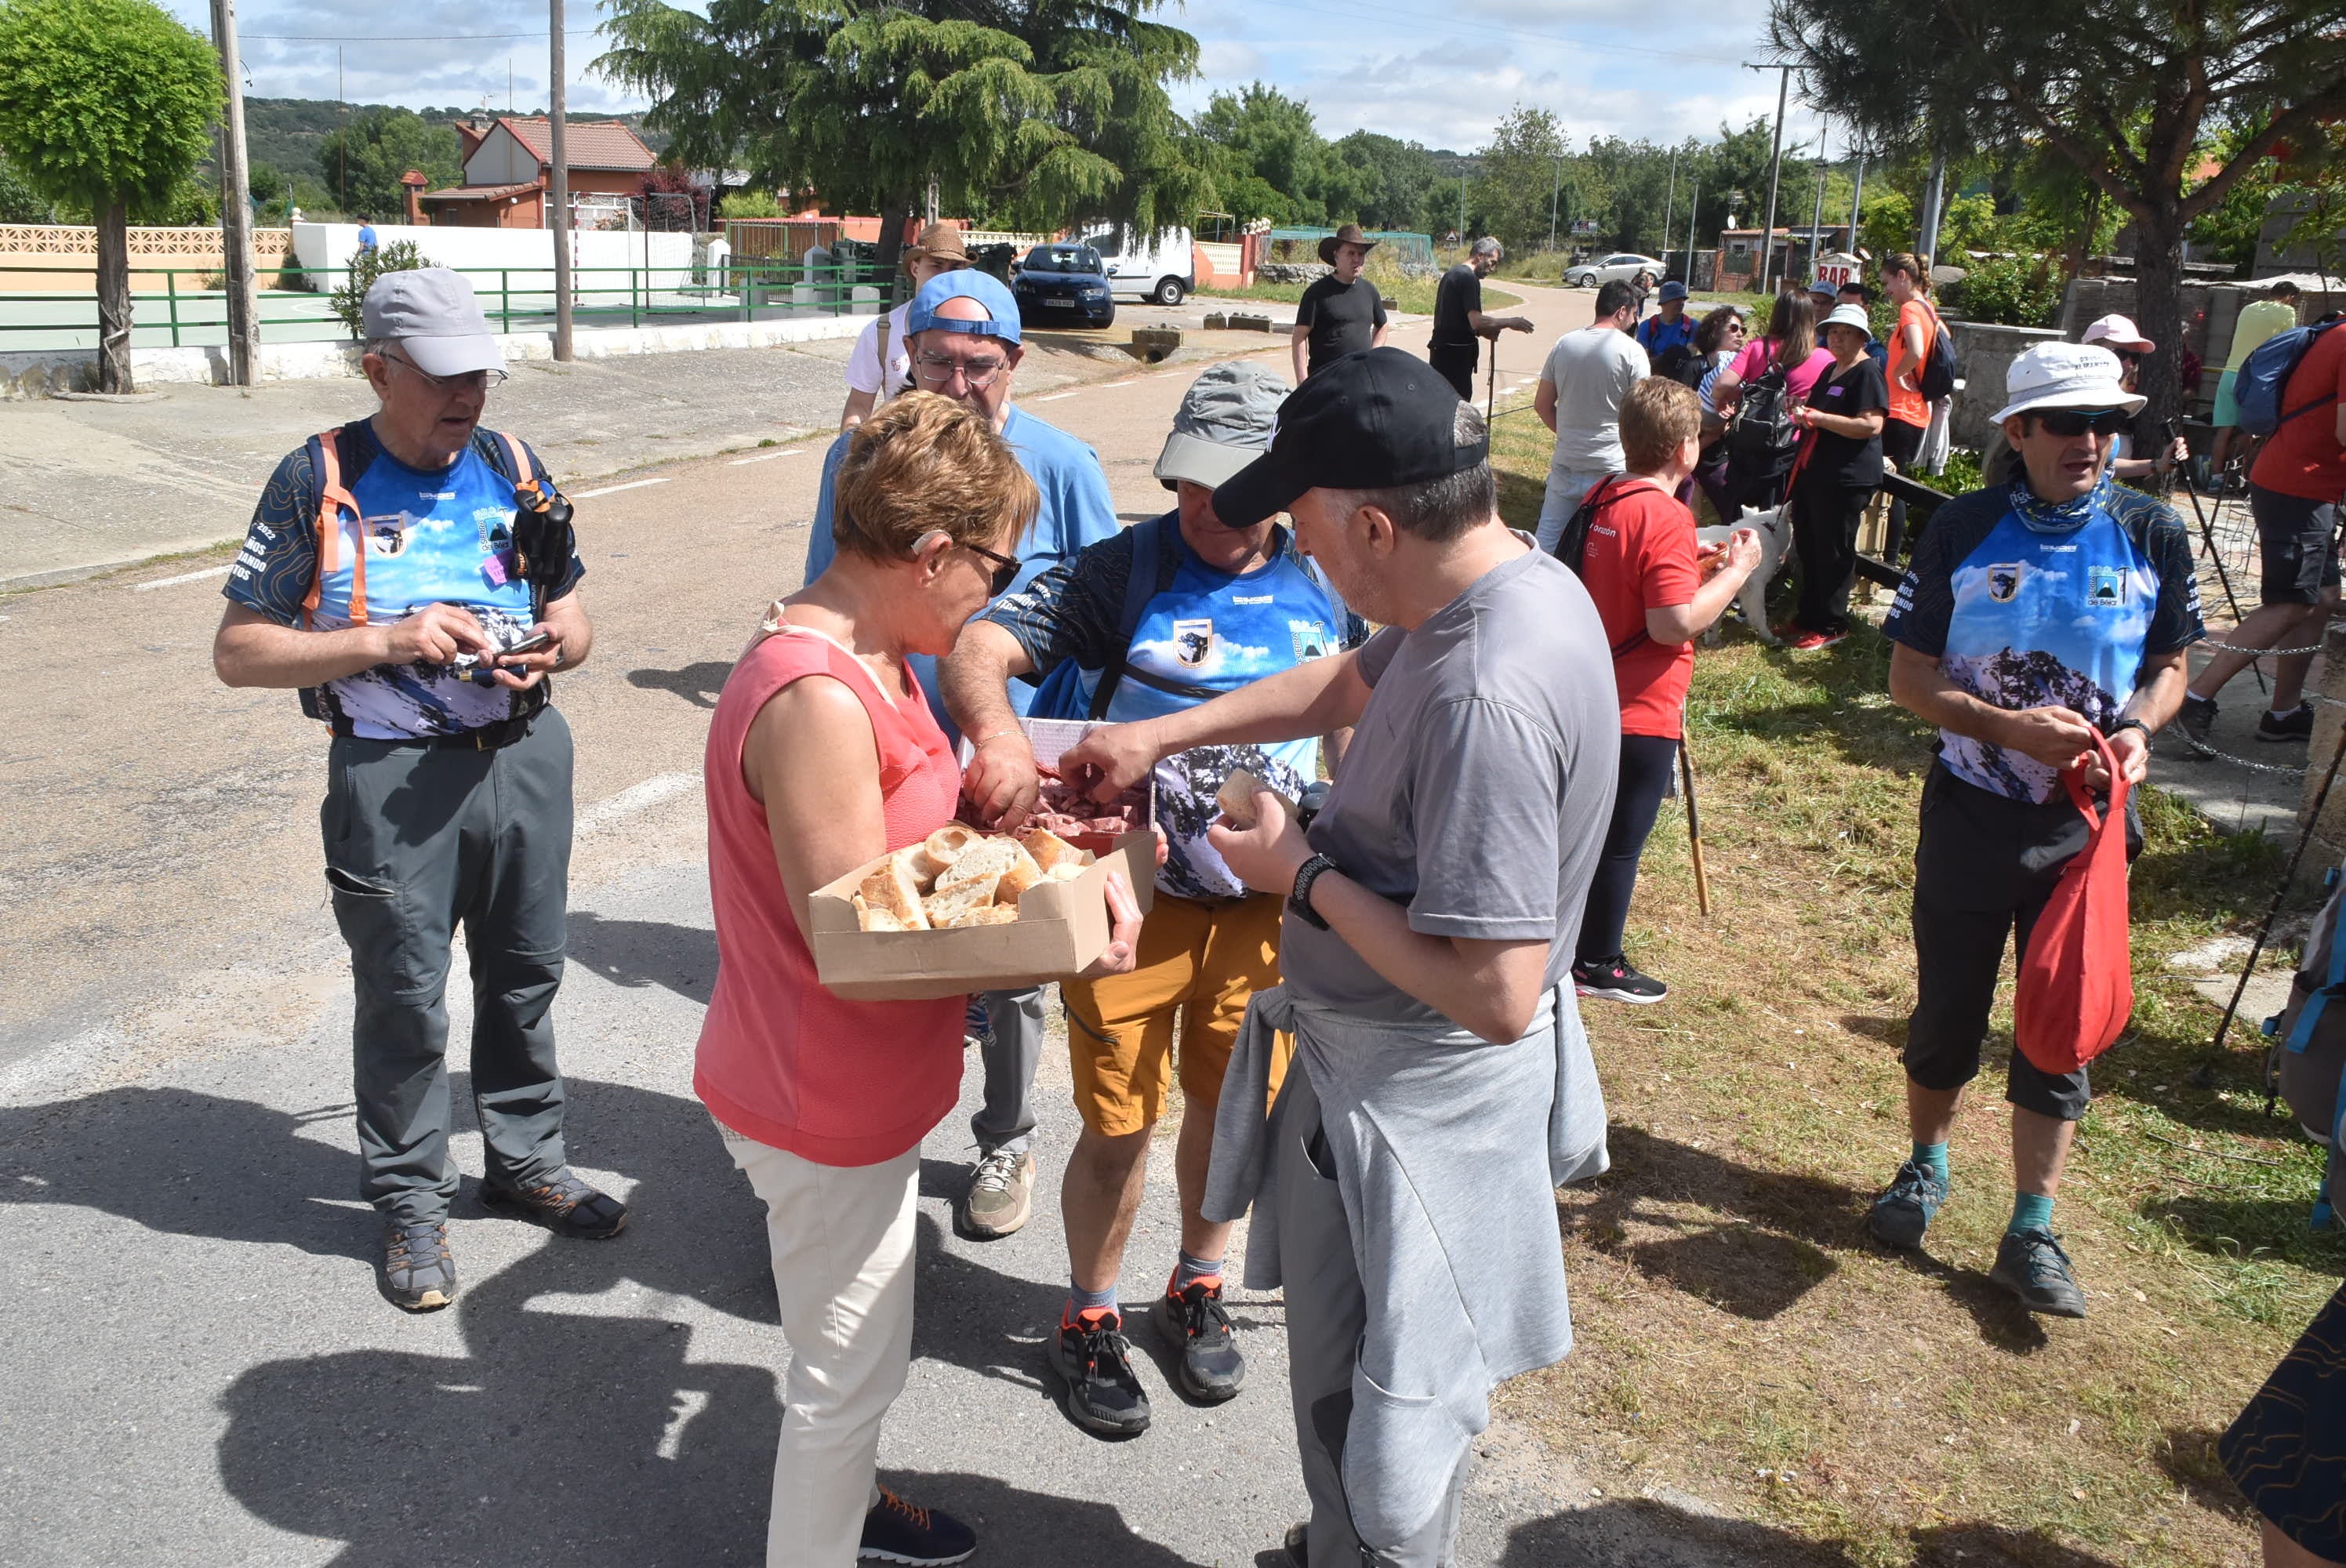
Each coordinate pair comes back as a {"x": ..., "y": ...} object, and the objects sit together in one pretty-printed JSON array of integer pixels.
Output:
[{"x": 995, "y": 736}]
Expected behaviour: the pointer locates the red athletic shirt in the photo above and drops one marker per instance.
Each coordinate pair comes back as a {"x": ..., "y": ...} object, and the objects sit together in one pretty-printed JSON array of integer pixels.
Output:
[
  {"x": 781, "y": 1059},
  {"x": 2302, "y": 458},
  {"x": 1641, "y": 556}
]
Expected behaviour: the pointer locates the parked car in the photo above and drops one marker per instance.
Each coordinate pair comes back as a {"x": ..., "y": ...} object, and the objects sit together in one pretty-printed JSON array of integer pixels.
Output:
[
  {"x": 1624, "y": 266},
  {"x": 1061, "y": 283},
  {"x": 1163, "y": 269}
]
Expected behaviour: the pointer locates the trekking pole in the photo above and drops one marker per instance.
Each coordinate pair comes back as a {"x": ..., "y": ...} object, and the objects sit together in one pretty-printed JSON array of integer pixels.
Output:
[
  {"x": 1694, "y": 829},
  {"x": 2207, "y": 537},
  {"x": 2280, "y": 896},
  {"x": 1491, "y": 386}
]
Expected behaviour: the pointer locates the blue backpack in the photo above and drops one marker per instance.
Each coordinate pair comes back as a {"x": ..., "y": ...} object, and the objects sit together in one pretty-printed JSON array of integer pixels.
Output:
[
  {"x": 2263, "y": 379},
  {"x": 1155, "y": 559}
]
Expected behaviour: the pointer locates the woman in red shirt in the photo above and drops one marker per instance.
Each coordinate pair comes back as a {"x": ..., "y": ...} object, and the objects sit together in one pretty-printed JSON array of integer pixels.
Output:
[
  {"x": 1655, "y": 590},
  {"x": 822, "y": 756}
]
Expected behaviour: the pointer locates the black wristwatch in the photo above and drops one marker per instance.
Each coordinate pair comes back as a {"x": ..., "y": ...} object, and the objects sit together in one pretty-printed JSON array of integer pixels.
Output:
[
  {"x": 1300, "y": 900},
  {"x": 2130, "y": 724}
]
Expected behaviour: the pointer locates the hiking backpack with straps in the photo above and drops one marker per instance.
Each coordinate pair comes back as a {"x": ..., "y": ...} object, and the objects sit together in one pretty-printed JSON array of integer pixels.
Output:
[
  {"x": 1763, "y": 431},
  {"x": 2307, "y": 1064},
  {"x": 1936, "y": 378},
  {"x": 2261, "y": 387},
  {"x": 1572, "y": 545}
]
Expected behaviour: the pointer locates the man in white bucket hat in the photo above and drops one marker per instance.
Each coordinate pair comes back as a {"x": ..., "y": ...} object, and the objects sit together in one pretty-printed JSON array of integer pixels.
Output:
[{"x": 2036, "y": 614}]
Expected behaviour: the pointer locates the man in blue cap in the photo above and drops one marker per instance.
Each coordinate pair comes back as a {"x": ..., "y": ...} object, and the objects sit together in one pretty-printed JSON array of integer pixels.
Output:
[
  {"x": 962, "y": 332},
  {"x": 1669, "y": 328}
]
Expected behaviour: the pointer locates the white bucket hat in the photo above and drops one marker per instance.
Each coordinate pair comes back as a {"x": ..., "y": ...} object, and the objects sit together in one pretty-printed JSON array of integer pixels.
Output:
[
  {"x": 1847, "y": 316},
  {"x": 2066, "y": 375}
]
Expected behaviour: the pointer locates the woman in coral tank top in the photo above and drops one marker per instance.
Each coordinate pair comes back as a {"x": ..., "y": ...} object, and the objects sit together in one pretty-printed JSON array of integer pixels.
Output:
[{"x": 822, "y": 756}]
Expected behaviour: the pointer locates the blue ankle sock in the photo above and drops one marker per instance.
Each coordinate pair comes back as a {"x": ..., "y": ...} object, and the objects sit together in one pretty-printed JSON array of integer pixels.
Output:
[
  {"x": 1193, "y": 1267},
  {"x": 1082, "y": 1300},
  {"x": 2030, "y": 1211},
  {"x": 1933, "y": 1157}
]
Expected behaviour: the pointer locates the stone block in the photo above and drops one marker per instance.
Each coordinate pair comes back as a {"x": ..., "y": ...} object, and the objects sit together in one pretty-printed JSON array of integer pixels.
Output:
[
  {"x": 1217, "y": 321},
  {"x": 1250, "y": 323},
  {"x": 1151, "y": 344}
]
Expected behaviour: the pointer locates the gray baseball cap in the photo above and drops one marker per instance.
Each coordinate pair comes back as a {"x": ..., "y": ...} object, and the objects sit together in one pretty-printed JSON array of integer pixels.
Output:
[
  {"x": 437, "y": 322},
  {"x": 1225, "y": 421}
]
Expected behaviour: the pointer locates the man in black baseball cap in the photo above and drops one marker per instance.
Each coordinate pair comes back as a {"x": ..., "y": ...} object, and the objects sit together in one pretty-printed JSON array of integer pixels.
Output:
[{"x": 1432, "y": 905}]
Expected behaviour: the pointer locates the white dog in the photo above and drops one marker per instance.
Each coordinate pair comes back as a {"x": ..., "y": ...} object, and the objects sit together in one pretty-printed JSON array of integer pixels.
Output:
[{"x": 1775, "y": 531}]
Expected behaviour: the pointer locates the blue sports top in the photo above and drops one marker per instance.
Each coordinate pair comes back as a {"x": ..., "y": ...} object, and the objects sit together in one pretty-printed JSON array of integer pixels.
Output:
[{"x": 2027, "y": 605}]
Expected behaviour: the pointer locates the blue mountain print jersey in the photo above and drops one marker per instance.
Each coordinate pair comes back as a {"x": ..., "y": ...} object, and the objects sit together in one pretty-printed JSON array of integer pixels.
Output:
[
  {"x": 430, "y": 538},
  {"x": 2025, "y": 605},
  {"x": 1206, "y": 632}
]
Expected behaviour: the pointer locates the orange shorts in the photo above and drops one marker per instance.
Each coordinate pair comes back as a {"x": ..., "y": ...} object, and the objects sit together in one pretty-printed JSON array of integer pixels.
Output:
[{"x": 1203, "y": 962}]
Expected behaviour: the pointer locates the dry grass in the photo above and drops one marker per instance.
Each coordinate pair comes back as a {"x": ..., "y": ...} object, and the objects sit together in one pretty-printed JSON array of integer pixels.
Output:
[{"x": 1741, "y": 1339}]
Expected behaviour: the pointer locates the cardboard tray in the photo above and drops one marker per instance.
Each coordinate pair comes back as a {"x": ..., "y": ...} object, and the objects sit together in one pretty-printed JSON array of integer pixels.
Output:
[{"x": 1061, "y": 928}]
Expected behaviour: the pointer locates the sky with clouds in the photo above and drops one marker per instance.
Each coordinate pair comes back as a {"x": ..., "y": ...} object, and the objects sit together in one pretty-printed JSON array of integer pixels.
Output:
[{"x": 1430, "y": 74}]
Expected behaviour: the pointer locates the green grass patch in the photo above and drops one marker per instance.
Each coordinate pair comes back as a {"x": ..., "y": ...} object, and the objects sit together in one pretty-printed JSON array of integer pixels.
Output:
[{"x": 1414, "y": 295}]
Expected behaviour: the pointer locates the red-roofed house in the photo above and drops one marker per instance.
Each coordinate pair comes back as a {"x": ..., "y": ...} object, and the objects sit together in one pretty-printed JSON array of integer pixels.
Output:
[{"x": 509, "y": 166}]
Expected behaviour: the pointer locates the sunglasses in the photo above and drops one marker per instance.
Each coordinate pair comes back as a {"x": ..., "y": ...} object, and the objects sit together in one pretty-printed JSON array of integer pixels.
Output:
[
  {"x": 1006, "y": 570},
  {"x": 2071, "y": 422}
]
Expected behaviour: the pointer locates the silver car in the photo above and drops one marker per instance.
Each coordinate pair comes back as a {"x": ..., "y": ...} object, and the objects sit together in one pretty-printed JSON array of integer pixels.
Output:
[{"x": 1625, "y": 266}]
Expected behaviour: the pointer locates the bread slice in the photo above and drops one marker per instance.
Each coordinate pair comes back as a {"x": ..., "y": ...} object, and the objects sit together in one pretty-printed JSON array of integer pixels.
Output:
[
  {"x": 1050, "y": 851},
  {"x": 1024, "y": 873},
  {"x": 948, "y": 905},
  {"x": 893, "y": 889},
  {"x": 1236, "y": 798},
  {"x": 941, "y": 849},
  {"x": 992, "y": 914},
  {"x": 1065, "y": 871},
  {"x": 878, "y": 920},
  {"x": 982, "y": 862}
]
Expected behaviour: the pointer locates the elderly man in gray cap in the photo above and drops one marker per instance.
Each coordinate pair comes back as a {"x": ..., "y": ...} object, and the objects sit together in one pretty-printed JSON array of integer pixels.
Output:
[
  {"x": 414, "y": 576},
  {"x": 1165, "y": 615}
]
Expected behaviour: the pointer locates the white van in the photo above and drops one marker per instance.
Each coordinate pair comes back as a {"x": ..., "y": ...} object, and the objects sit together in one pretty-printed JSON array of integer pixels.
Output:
[{"x": 1159, "y": 269}]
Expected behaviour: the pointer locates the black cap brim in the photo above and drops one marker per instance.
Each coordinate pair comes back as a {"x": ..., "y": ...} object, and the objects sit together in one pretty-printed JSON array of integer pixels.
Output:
[{"x": 1263, "y": 488}]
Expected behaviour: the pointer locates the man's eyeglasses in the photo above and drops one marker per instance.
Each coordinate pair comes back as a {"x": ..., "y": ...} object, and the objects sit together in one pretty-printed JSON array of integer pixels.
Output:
[
  {"x": 1006, "y": 569},
  {"x": 471, "y": 380},
  {"x": 936, "y": 369},
  {"x": 2072, "y": 423}
]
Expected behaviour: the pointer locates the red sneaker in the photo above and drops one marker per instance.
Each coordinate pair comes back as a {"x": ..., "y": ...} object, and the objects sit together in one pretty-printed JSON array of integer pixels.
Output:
[{"x": 1814, "y": 642}]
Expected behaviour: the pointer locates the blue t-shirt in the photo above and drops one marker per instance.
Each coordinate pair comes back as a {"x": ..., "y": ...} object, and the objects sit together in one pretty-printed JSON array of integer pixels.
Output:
[
  {"x": 1076, "y": 511},
  {"x": 431, "y": 538},
  {"x": 2029, "y": 607},
  {"x": 366, "y": 237},
  {"x": 1204, "y": 632},
  {"x": 1658, "y": 335}
]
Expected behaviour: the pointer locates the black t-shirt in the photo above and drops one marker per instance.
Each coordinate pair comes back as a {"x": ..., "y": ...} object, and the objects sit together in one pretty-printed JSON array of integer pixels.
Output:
[
  {"x": 1344, "y": 317},
  {"x": 1844, "y": 459},
  {"x": 1455, "y": 299}
]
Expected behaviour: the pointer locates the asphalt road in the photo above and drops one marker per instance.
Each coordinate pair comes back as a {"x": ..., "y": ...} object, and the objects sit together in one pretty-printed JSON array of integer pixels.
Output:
[{"x": 199, "y": 1370}]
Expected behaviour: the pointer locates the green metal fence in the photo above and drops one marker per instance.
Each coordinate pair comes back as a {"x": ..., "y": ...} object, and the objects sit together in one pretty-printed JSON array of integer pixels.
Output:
[{"x": 186, "y": 313}]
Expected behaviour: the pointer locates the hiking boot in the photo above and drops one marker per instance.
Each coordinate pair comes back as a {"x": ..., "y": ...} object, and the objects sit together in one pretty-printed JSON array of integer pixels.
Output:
[
  {"x": 1104, "y": 1395},
  {"x": 2196, "y": 717},
  {"x": 2032, "y": 1265},
  {"x": 1298, "y": 1542},
  {"x": 1193, "y": 1322},
  {"x": 1904, "y": 1211},
  {"x": 1001, "y": 1195},
  {"x": 418, "y": 1273},
  {"x": 1617, "y": 981},
  {"x": 2297, "y": 723},
  {"x": 562, "y": 1204},
  {"x": 896, "y": 1531}
]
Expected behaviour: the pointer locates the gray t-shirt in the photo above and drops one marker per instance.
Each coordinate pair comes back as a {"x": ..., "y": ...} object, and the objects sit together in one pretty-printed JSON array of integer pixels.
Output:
[
  {"x": 1592, "y": 371},
  {"x": 1479, "y": 782}
]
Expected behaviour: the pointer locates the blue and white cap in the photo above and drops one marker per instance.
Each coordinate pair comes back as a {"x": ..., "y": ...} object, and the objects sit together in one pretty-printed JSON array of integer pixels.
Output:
[{"x": 969, "y": 283}]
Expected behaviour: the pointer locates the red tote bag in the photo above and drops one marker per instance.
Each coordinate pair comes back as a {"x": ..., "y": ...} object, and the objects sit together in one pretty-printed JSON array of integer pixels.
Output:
[{"x": 2076, "y": 979}]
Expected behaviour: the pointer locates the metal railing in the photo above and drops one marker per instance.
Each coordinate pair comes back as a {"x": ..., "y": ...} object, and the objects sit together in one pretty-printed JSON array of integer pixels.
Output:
[{"x": 515, "y": 299}]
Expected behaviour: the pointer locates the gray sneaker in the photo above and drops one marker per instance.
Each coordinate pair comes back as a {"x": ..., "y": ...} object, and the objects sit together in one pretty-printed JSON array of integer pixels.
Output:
[
  {"x": 1904, "y": 1211},
  {"x": 1001, "y": 1195},
  {"x": 2032, "y": 1265},
  {"x": 418, "y": 1273}
]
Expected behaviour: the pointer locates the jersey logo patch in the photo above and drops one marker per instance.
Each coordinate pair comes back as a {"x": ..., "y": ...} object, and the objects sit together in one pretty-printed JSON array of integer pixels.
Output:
[
  {"x": 385, "y": 535},
  {"x": 2003, "y": 581},
  {"x": 1192, "y": 641},
  {"x": 2106, "y": 587},
  {"x": 1311, "y": 640}
]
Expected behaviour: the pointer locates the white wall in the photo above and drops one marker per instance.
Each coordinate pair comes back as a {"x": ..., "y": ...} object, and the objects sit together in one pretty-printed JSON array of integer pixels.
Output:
[
  {"x": 526, "y": 253},
  {"x": 501, "y": 161}
]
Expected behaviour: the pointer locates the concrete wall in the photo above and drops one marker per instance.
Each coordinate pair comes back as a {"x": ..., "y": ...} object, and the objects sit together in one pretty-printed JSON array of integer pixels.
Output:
[
  {"x": 1983, "y": 353},
  {"x": 501, "y": 161},
  {"x": 526, "y": 254}
]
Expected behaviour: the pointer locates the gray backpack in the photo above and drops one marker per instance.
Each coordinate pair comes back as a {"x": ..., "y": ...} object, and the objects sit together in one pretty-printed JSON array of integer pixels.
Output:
[{"x": 2307, "y": 1066}]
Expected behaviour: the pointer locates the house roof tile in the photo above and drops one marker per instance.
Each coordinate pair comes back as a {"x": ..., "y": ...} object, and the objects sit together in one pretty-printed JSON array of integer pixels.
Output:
[{"x": 593, "y": 144}]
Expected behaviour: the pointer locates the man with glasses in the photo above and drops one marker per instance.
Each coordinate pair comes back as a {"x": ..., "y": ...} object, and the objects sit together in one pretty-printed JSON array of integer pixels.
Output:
[
  {"x": 2036, "y": 614},
  {"x": 413, "y": 575},
  {"x": 962, "y": 329}
]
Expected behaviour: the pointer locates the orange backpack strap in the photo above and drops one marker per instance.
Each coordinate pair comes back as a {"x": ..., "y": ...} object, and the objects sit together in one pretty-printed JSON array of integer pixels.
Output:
[
  {"x": 332, "y": 496},
  {"x": 524, "y": 476}
]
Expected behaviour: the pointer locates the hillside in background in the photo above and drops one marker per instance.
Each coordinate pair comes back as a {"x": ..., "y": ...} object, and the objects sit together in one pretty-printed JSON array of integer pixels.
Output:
[{"x": 286, "y": 133}]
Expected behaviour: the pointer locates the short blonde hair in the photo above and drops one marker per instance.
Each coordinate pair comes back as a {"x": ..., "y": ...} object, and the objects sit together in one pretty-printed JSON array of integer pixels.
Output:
[
  {"x": 926, "y": 463},
  {"x": 1658, "y": 417}
]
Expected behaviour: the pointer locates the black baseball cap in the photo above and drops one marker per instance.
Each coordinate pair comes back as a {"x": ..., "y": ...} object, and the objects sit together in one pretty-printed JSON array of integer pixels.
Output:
[{"x": 1368, "y": 421}]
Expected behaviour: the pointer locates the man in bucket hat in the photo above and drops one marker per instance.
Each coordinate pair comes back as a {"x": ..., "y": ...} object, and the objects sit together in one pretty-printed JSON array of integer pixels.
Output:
[
  {"x": 1342, "y": 313},
  {"x": 881, "y": 364},
  {"x": 1163, "y": 617},
  {"x": 389, "y": 563},
  {"x": 2036, "y": 614}
]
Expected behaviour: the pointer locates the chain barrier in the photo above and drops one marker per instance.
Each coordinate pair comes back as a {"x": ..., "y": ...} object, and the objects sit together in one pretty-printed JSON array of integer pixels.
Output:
[{"x": 2200, "y": 751}]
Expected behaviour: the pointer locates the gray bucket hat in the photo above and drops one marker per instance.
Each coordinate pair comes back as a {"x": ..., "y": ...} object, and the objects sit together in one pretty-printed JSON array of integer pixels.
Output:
[
  {"x": 437, "y": 322},
  {"x": 1225, "y": 421}
]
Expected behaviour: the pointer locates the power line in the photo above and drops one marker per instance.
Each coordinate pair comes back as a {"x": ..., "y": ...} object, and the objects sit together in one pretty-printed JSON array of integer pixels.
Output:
[{"x": 402, "y": 38}]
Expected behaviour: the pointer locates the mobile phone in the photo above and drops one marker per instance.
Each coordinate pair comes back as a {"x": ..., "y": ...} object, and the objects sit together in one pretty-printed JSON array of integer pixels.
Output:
[{"x": 528, "y": 645}]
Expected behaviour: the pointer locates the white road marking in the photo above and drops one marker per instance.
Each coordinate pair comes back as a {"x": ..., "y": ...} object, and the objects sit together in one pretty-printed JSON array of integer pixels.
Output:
[
  {"x": 634, "y": 798},
  {"x": 175, "y": 582},
  {"x": 615, "y": 488},
  {"x": 767, "y": 456},
  {"x": 1054, "y": 396}
]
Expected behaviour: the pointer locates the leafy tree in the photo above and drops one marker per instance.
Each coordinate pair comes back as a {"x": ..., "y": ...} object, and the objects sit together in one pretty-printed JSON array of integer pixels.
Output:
[
  {"x": 1512, "y": 197},
  {"x": 1392, "y": 181},
  {"x": 1886, "y": 223},
  {"x": 751, "y": 204},
  {"x": 363, "y": 161},
  {"x": 2127, "y": 92},
  {"x": 349, "y": 302},
  {"x": 106, "y": 104},
  {"x": 1261, "y": 131},
  {"x": 2017, "y": 291},
  {"x": 19, "y": 202}
]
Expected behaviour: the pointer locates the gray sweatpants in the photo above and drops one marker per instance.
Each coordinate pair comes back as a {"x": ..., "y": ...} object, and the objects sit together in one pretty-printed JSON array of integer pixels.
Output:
[
  {"x": 1014, "y": 1049},
  {"x": 1326, "y": 1313},
  {"x": 418, "y": 840}
]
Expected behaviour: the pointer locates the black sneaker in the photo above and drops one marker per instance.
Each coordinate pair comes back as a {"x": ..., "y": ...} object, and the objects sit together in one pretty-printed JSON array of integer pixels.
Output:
[
  {"x": 2297, "y": 723},
  {"x": 2032, "y": 1265},
  {"x": 896, "y": 1531},
  {"x": 2196, "y": 718},
  {"x": 1617, "y": 981},
  {"x": 1103, "y": 1395},
  {"x": 1298, "y": 1539},
  {"x": 562, "y": 1204},
  {"x": 1902, "y": 1212},
  {"x": 418, "y": 1273},
  {"x": 1194, "y": 1323}
]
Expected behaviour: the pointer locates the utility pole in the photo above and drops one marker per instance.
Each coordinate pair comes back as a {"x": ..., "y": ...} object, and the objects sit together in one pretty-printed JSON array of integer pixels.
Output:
[
  {"x": 236, "y": 211},
  {"x": 558, "y": 116},
  {"x": 1817, "y": 218},
  {"x": 1462, "y": 208},
  {"x": 1775, "y": 171},
  {"x": 343, "y": 140},
  {"x": 1933, "y": 195},
  {"x": 1856, "y": 199},
  {"x": 1691, "y": 210},
  {"x": 1671, "y": 210},
  {"x": 1555, "y": 188}
]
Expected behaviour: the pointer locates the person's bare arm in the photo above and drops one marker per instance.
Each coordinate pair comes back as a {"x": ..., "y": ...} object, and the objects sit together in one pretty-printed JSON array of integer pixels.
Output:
[
  {"x": 2157, "y": 698},
  {"x": 2054, "y": 736},
  {"x": 1001, "y": 781},
  {"x": 1725, "y": 393},
  {"x": 811, "y": 760},
  {"x": 1543, "y": 403},
  {"x": 1487, "y": 326},
  {"x": 1302, "y": 335},
  {"x": 574, "y": 639},
  {"x": 1857, "y": 426},
  {"x": 1918, "y": 348},
  {"x": 250, "y": 649},
  {"x": 1333, "y": 746},
  {"x": 858, "y": 408},
  {"x": 1312, "y": 698},
  {"x": 1674, "y": 623},
  {"x": 1383, "y": 330}
]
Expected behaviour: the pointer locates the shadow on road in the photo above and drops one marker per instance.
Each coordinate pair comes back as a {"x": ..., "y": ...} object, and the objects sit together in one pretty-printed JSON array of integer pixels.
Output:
[
  {"x": 698, "y": 684},
  {"x": 1639, "y": 1533},
  {"x": 634, "y": 953}
]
